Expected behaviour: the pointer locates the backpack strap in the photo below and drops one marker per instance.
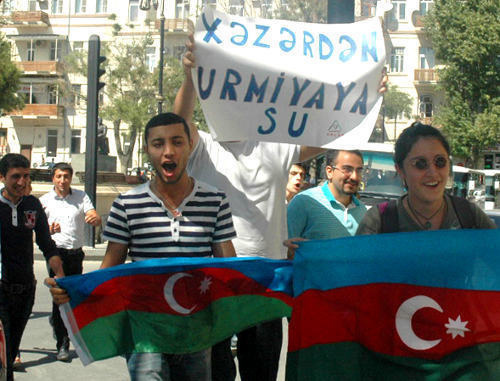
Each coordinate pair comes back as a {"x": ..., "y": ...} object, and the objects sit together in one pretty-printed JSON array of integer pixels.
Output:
[
  {"x": 389, "y": 216},
  {"x": 464, "y": 212}
]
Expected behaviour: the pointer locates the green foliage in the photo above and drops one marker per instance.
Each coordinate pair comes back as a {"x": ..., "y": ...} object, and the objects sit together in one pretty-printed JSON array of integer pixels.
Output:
[
  {"x": 397, "y": 102},
  {"x": 9, "y": 80},
  {"x": 314, "y": 11},
  {"x": 466, "y": 38}
]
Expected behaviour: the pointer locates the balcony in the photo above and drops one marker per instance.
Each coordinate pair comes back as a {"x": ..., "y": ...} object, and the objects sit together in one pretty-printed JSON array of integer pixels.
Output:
[
  {"x": 25, "y": 18},
  {"x": 40, "y": 67},
  {"x": 176, "y": 25},
  {"x": 426, "y": 76},
  {"x": 43, "y": 111}
]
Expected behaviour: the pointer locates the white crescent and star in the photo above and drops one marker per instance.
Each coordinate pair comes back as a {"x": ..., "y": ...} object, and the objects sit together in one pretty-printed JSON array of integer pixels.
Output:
[
  {"x": 168, "y": 292},
  {"x": 404, "y": 328}
]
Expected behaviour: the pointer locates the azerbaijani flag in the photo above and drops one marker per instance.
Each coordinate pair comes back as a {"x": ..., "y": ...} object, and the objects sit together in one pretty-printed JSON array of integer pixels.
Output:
[
  {"x": 172, "y": 305},
  {"x": 406, "y": 306}
]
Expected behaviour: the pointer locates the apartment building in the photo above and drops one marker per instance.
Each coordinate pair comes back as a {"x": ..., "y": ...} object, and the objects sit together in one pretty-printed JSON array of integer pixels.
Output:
[{"x": 51, "y": 127}]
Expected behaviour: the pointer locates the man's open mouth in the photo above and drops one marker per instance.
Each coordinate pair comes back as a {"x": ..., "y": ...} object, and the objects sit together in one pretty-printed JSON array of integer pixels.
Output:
[{"x": 169, "y": 166}]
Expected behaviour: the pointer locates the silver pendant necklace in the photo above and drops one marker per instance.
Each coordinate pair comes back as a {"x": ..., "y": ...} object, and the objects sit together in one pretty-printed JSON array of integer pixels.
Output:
[{"x": 427, "y": 225}]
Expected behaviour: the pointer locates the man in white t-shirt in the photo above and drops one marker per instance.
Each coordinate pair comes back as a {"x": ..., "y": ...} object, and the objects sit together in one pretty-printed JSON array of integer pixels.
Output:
[
  {"x": 67, "y": 210},
  {"x": 254, "y": 176}
]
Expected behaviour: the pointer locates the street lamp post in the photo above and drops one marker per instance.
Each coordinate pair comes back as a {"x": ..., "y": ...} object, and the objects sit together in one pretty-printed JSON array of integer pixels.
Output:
[{"x": 146, "y": 5}]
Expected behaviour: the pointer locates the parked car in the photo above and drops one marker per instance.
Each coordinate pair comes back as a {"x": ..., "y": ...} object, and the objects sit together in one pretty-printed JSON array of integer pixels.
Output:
[{"x": 494, "y": 215}]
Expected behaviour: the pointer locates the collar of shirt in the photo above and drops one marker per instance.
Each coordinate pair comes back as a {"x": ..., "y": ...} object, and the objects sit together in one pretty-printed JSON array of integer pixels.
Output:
[
  {"x": 180, "y": 208},
  {"x": 59, "y": 197}
]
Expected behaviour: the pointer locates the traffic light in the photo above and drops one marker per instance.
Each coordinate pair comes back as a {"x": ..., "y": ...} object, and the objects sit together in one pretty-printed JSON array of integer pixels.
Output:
[{"x": 488, "y": 161}]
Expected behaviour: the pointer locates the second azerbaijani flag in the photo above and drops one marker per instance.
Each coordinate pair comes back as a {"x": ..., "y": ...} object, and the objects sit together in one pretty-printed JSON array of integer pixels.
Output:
[
  {"x": 172, "y": 305},
  {"x": 406, "y": 306}
]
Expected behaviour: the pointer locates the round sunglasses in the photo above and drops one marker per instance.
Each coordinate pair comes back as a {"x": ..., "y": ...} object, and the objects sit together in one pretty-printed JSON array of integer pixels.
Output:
[{"x": 422, "y": 163}]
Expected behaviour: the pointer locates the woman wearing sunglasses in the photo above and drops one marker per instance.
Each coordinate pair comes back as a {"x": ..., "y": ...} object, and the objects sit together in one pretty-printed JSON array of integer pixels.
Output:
[{"x": 422, "y": 160}]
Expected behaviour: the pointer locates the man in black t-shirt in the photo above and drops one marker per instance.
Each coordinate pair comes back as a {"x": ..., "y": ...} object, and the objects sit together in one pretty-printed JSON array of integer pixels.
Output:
[{"x": 20, "y": 216}]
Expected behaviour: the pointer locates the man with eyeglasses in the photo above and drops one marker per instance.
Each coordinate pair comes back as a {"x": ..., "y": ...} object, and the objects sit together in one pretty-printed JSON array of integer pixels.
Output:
[{"x": 330, "y": 210}]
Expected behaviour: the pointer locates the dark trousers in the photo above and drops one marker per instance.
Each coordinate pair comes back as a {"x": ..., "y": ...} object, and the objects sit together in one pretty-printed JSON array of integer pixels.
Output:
[
  {"x": 72, "y": 265},
  {"x": 258, "y": 354},
  {"x": 15, "y": 310}
]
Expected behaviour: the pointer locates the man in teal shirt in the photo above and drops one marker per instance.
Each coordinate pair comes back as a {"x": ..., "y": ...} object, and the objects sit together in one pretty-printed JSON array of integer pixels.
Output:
[{"x": 330, "y": 210}]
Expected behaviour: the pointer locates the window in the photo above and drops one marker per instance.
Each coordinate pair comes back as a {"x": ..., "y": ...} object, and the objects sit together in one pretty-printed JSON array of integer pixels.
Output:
[
  {"x": 181, "y": 9},
  {"x": 78, "y": 46},
  {"x": 398, "y": 11},
  {"x": 57, "y": 6},
  {"x": 101, "y": 6},
  {"x": 151, "y": 58},
  {"x": 52, "y": 89},
  {"x": 133, "y": 10},
  {"x": 266, "y": 8},
  {"x": 426, "y": 58},
  {"x": 51, "y": 143},
  {"x": 55, "y": 51},
  {"x": 425, "y": 107},
  {"x": 31, "y": 51},
  {"x": 425, "y": 6},
  {"x": 6, "y": 7},
  {"x": 236, "y": 7},
  {"x": 3, "y": 141},
  {"x": 397, "y": 58},
  {"x": 80, "y": 6},
  {"x": 32, "y": 5},
  {"x": 76, "y": 94},
  {"x": 209, "y": 3},
  {"x": 76, "y": 141},
  {"x": 179, "y": 51}
]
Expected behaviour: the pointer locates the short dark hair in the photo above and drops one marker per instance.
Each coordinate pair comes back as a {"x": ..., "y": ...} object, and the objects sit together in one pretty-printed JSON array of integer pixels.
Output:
[
  {"x": 165, "y": 119},
  {"x": 333, "y": 154},
  {"x": 411, "y": 135},
  {"x": 62, "y": 167},
  {"x": 13, "y": 160}
]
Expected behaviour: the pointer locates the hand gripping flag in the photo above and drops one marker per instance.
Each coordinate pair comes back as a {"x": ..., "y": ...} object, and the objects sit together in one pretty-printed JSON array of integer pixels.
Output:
[
  {"x": 172, "y": 305},
  {"x": 406, "y": 306}
]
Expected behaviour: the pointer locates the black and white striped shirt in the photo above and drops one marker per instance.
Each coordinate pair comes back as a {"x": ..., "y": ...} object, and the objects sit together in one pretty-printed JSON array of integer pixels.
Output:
[{"x": 139, "y": 219}]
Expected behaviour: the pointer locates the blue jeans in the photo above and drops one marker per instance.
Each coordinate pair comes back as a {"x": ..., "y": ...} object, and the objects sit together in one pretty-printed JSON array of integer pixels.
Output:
[{"x": 165, "y": 367}]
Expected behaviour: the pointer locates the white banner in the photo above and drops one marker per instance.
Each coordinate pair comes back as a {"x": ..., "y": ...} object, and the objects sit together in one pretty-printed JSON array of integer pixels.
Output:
[{"x": 285, "y": 81}]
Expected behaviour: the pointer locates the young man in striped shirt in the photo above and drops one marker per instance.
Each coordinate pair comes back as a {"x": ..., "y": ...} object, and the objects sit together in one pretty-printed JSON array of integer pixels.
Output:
[{"x": 174, "y": 215}]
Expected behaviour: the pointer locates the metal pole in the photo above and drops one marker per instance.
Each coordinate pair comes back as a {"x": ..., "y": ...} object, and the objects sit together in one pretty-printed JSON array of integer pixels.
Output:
[{"x": 162, "y": 48}]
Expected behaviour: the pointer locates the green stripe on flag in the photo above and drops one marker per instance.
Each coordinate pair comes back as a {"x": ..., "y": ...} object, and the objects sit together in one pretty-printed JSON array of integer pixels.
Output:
[
  {"x": 351, "y": 361},
  {"x": 137, "y": 331}
]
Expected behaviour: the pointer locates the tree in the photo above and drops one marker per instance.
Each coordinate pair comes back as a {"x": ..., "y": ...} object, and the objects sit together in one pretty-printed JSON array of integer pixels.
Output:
[
  {"x": 314, "y": 11},
  {"x": 9, "y": 80},
  {"x": 397, "y": 103},
  {"x": 465, "y": 36}
]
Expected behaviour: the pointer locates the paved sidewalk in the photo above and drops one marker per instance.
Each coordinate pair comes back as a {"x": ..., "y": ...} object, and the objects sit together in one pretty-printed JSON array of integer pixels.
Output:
[{"x": 91, "y": 253}]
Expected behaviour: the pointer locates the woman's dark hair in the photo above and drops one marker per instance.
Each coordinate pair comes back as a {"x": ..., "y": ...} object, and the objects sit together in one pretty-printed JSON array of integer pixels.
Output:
[
  {"x": 410, "y": 136},
  {"x": 165, "y": 119}
]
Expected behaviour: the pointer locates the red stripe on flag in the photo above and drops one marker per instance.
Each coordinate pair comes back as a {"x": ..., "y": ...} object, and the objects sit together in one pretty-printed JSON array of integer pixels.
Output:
[
  {"x": 191, "y": 292},
  {"x": 367, "y": 315}
]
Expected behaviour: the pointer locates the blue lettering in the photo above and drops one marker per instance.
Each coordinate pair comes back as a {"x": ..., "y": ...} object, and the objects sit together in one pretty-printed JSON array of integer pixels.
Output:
[
  {"x": 204, "y": 94},
  {"x": 296, "y": 133},
  {"x": 371, "y": 50},
  {"x": 342, "y": 94},
  {"x": 253, "y": 88},
  {"x": 287, "y": 45},
  {"x": 322, "y": 41},
  {"x": 318, "y": 99},
  {"x": 211, "y": 29},
  {"x": 242, "y": 38},
  {"x": 308, "y": 40},
  {"x": 347, "y": 54},
  {"x": 297, "y": 92},
  {"x": 277, "y": 88},
  {"x": 361, "y": 102},
  {"x": 228, "y": 88},
  {"x": 264, "y": 29},
  {"x": 271, "y": 128}
]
